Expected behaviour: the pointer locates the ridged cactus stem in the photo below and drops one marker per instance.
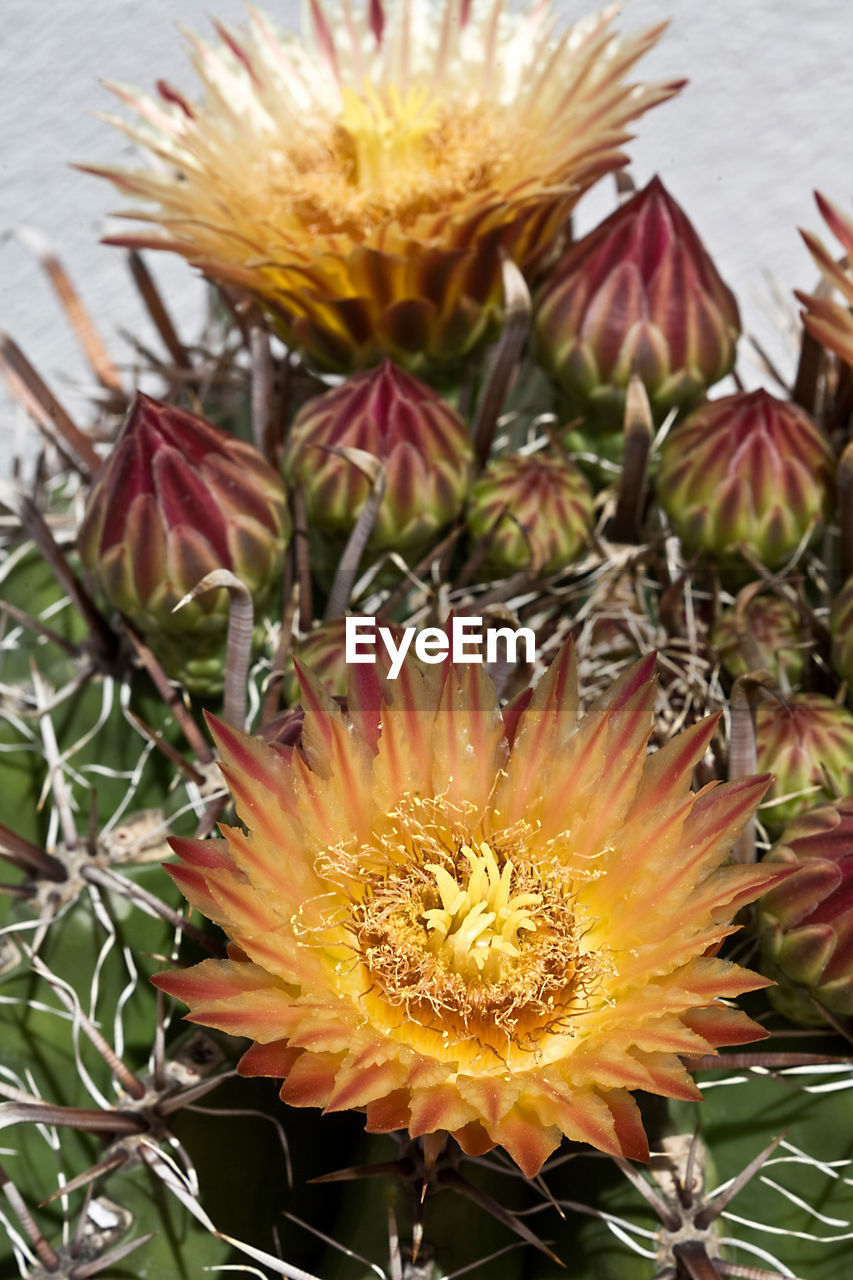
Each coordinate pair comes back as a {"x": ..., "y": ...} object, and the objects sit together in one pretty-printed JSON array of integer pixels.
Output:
[
  {"x": 156, "y": 308},
  {"x": 504, "y": 360},
  {"x": 238, "y": 641},
  {"x": 52, "y": 419},
  {"x": 639, "y": 432},
  {"x": 53, "y": 760},
  {"x": 165, "y": 748},
  {"x": 742, "y": 749},
  {"x": 345, "y": 574},
  {"x": 844, "y": 493},
  {"x": 127, "y": 1078},
  {"x": 149, "y": 903}
]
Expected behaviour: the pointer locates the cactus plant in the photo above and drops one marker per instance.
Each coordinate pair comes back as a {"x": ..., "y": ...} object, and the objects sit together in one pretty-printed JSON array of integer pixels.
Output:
[{"x": 471, "y": 907}]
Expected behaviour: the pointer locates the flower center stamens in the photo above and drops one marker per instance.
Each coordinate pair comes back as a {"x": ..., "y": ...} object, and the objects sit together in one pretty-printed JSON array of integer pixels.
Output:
[
  {"x": 478, "y": 925},
  {"x": 387, "y": 133}
]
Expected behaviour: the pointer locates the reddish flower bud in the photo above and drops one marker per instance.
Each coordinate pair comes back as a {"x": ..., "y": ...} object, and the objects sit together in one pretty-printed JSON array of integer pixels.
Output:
[
  {"x": 807, "y": 742},
  {"x": 806, "y": 923},
  {"x": 177, "y": 498},
  {"x": 775, "y": 628},
  {"x": 747, "y": 471},
  {"x": 420, "y": 441},
  {"x": 535, "y": 513},
  {"x": 638, "y": 294}
]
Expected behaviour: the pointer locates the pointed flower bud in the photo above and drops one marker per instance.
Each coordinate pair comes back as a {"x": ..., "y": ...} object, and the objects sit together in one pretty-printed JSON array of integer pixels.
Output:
[
  {"x": 177, "y": 498},
  {"x": 806, "y": 923},
  {"x": 747, "y": 471},
  {"x": 535, "y": 513},
  {"x": 393, "y": 418},
  {"x": 774, "y": 627},
  {"x": 638, "y": 294},
  {"x": 807, "y": 742}
]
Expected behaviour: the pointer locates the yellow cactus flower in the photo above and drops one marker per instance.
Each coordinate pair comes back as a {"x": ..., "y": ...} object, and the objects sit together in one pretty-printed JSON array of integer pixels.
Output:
[
  {"x": 363, "y": 181},
  {"x": 489, "y": 924}
]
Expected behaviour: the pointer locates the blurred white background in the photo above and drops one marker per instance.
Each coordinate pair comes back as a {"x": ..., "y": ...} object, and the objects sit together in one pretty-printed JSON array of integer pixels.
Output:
[{"x": 765, "y": 120}]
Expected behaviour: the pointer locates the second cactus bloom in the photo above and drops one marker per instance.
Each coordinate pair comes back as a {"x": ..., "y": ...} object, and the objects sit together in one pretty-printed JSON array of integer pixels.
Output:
[
  {"x": 638, "y": 294},
  {"x": 176, "y": 499},
  {"x": 749, "y": 473},
  {"x": 400, "y": 423},
  {"x": 534, "y": 512}
]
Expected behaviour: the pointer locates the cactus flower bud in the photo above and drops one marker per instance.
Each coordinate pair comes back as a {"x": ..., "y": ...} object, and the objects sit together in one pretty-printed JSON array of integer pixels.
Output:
[
  {"x": 807, "y": 741},
  {"x": 638, "y": 294},
  {"x": 746, "y": 472},
  {"x": 420, "y": 441},
  {"x": 806, "y": 923},
  {"x": 775, "y": 628},
  {"x": 535, "y": 512},
  {"x": 323, "y": 652},
  {"x": 177, "y": 498}
]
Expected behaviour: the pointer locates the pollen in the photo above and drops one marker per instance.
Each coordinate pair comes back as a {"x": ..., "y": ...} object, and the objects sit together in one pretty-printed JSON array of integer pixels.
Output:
[
  {"x": 393, "y": 155},
  {"x": 472, "y": 942},
  {"x": 476, "y": 929}
]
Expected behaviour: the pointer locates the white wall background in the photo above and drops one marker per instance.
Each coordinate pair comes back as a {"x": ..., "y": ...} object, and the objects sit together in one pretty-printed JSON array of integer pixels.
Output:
[{"x": 765, "y": 119}]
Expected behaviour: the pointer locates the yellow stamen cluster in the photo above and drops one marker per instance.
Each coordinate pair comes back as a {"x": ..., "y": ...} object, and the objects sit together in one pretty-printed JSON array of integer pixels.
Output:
[
  {"x": 468, "y": 940},
  {"x": 476, "y": 927}
]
